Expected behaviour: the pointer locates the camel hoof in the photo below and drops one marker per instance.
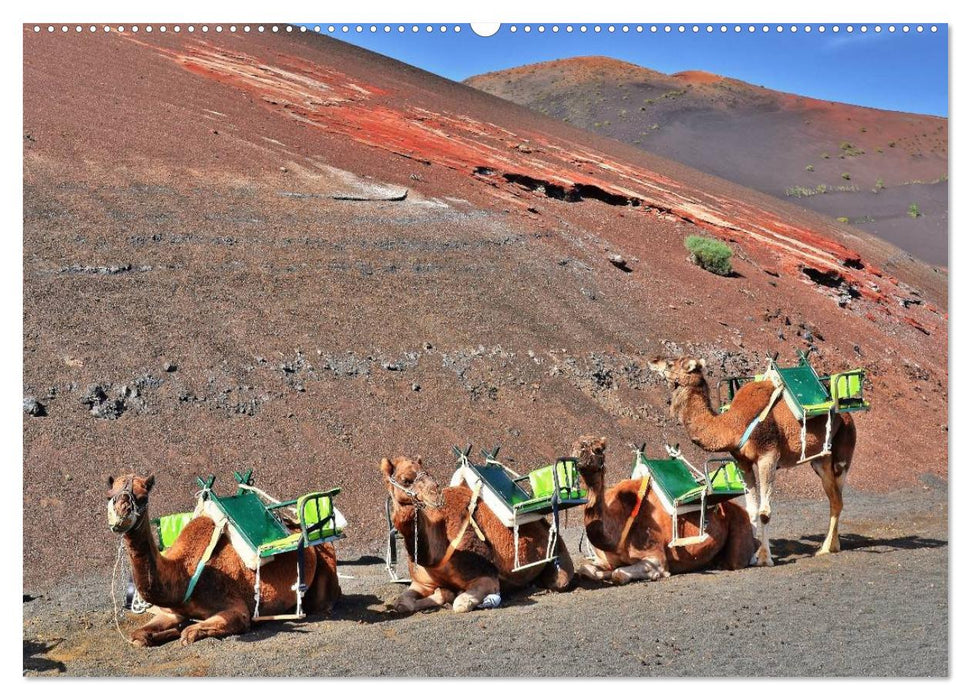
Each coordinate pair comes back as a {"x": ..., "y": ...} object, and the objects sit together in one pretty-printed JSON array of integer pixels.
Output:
[
  {"x": 463, "y": 603},
  {"x": 823, "y": 551},
  {"x": 591, "y": 572},
  {"x": 188, "y": 636},
  {"x": 621, "y": 577},
  {"x": 140, "y": 642},
  {"x": 402, "y": 607},
  {"x": 762, "y": 558}
]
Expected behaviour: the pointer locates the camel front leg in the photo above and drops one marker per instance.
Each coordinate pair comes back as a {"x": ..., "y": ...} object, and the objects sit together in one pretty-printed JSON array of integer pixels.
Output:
[
  {"x": 595, "y": 570},
  {"x": 419, "y": 597},
  {"x": 833, "y": 477},
  {"x": 598, "y": 569},
  {"x": 766, "y": 469},
  {"x": 651, "y": 568},
  {"x": 163, "y": 627},
  {"x": 222, "y": 624},
  {"x": 475, "y": 593},
  {"x": 751, "y": 495}
]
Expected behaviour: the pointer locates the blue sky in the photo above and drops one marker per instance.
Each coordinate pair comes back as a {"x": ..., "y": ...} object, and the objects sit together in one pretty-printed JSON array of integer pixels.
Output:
[{"x": 890, "y": 70}]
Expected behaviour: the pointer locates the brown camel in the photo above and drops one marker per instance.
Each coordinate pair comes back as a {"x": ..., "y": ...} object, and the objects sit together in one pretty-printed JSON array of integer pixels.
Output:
[
  {"x": 629, "y": 528},
  {"x": 453, "y": 562},
  {"x": 774, "y": 444},
  {"x": 223, "y": 598}
]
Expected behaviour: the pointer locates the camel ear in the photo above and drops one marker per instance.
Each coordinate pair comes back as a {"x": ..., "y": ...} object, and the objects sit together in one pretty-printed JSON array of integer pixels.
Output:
[
  {"x": 111, "y": 482},
  {"x": 701, "y": 362},
  {"x": 149, "y": 483},
  {"x": 418, "y": 459},
  {"x": 690, "y": 364},
  {"x": 387, "y": 468},
  {"x": 658, "y": 364},
  {"x": 603, "y": 442}
]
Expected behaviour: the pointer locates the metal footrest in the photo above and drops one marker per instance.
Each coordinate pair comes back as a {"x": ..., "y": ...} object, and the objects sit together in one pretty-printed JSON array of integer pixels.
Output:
[{"x": 688, "y": 541}]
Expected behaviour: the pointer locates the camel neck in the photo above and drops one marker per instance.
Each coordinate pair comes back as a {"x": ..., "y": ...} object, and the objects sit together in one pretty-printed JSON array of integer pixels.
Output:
[
  {"x": 156, "y": 578},
  {"x": 430, "y": 531},
  {"x": 593, "y": 513},
  {"x": 692, "y": 407}
]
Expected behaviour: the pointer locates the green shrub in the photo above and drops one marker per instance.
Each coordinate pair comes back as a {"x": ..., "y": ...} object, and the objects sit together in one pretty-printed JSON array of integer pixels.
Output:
[
  {"x": 913, "y": 210},
  {"x": 710, "y": 254},
  {"x": 843, "y": 219},
  {"x": 845, "y": 176},
  {"x": 810, "y": 168}
]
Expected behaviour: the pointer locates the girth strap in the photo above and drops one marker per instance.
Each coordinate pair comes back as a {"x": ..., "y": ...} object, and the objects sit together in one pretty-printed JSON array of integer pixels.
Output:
[{"x": 645, "y": 480}]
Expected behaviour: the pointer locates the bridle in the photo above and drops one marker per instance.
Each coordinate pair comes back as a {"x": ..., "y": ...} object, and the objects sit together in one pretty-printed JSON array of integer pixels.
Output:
[
  {"x": 603, "y": 462},
  {"x": 127, "y": 493},
  {"x": 413, "y": 495},
  {"x": 417, "y": 502}
]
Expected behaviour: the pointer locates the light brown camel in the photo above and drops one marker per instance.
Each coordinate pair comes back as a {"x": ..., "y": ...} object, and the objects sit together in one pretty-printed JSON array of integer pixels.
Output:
[
  {"x": 453, "y": 562},
  {"x": 629, "y": 529},
  {"x": 774, "y": 444},
  {"x": 223, "y": 598}
]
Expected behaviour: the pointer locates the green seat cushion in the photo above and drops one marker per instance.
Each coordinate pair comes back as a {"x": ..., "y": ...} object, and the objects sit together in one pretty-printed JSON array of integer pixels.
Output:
[
  {"x": 252, "y": 520},
  {"x": 675, "y": 479},
  {"x": 804, "y": 386},
  {"x": 496, "y": 478},
  {"x": 170, "y": 527},
  {"x": 312, "y": 509},
  {"x": 542, "y": 483},
  {"x": 727, "y": 479}
]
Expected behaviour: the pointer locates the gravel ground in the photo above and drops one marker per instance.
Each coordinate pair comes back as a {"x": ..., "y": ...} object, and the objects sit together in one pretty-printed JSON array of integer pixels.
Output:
[{"x": 879, "y": 608}]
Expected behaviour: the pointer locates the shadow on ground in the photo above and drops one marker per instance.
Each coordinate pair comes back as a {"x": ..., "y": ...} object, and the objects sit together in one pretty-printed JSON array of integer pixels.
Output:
[
  {"x": 787, "y": 551},
  {"x": 35, "y": 658}
]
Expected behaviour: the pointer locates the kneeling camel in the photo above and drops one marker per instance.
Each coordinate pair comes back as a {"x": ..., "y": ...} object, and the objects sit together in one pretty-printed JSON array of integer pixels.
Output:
[
  {"x": 223, "y": 598},
  {"x": 459, "y": 552},
  {"x": 629, "y": 528}
]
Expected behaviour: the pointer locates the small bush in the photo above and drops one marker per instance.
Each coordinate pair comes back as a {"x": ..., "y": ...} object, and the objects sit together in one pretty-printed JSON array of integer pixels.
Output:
[
  {"x": 843, "y": 219},
  {"x": 845, "y": 176},
  {"x": 913, "y": 210},
  {"x": 710, "y": 254},
  {"x": 810, "y": 168}
]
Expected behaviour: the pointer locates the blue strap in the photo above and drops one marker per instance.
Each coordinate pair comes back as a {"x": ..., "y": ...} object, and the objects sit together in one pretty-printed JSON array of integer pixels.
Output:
[{"x": 748, "y": 431}]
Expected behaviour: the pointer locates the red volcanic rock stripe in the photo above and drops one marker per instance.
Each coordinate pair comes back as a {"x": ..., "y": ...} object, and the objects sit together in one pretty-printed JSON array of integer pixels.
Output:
[{"x": 337, "y": 103}]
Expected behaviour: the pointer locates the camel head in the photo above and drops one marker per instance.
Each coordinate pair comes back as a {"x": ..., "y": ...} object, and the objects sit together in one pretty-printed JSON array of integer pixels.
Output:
[
  {"x": 409, "y": 483},
  {"x": 683, "y": 371},
  {"x": 589, "y": 453},
  {"x": 127, "y": 500}
]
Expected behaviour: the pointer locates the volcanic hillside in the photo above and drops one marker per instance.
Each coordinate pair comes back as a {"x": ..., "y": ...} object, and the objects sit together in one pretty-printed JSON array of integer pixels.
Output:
[
  {"x": 284, "y": 253},
  {"x": 863, "y": 166}
]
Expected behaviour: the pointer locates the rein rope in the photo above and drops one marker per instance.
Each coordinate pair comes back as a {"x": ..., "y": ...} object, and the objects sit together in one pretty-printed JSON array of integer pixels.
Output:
[{"x": 114, "y": 586}]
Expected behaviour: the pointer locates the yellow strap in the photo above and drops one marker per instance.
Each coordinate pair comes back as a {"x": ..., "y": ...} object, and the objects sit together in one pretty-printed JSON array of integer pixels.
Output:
[
  {"x": 645, "y": 480},
  {"x": 454, "y": 544},
  {"x": 217, "y": 531},
  {"x": 775, "y": 395}
]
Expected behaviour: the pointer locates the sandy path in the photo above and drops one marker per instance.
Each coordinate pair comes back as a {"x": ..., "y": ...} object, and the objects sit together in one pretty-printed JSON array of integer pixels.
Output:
[{"x": 878, "y": 608}]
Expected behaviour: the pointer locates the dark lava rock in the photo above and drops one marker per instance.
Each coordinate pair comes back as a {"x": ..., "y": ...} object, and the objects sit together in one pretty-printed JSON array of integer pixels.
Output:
[{"x": 34, "y": 407}]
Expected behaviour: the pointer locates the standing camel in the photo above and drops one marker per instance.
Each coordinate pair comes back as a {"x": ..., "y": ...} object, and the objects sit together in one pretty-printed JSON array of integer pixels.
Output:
[
  {"x": 464, "y": 552},
  {"x": 775, "y": 443},
  {"x": 223, "y": 599},
  {"x": 629, "y": 528}
]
